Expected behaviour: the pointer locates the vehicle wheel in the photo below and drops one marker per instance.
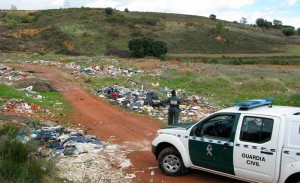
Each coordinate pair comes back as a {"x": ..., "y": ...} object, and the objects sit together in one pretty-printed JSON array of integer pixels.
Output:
[
  {"x": 170, "y": 162},
  {"x": 293, "y": 179}
]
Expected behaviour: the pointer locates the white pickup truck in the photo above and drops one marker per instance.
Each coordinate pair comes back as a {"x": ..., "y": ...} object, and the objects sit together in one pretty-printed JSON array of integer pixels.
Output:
[{"x": 252, "y": 141}]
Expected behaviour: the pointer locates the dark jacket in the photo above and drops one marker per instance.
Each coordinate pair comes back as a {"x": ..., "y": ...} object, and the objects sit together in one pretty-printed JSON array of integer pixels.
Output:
[{"x": 174, "y": 102}]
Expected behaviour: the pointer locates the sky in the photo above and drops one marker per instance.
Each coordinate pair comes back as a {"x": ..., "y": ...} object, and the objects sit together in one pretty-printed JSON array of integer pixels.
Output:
[{"x": 286, "y": 11}]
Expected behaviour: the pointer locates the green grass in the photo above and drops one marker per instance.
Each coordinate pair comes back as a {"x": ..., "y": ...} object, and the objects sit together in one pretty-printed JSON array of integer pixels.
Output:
[
  {"x": 238, "y": 59},
  {"x": 294, "y": 50},
  {"x": 224, "y": 81},
  {"x": 7, "y": 92},
  {"x": 222, "y": 84},
  {"x": 93, "y": 32},
  {"x": 51, "y": 100}
]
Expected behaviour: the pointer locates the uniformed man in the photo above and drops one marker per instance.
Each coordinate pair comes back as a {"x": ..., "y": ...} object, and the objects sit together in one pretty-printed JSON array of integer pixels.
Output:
[{"x": 174, "y": 103}]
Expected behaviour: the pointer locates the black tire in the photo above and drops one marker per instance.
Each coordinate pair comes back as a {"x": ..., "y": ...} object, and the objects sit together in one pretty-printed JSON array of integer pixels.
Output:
[
  {"x": 170, "y": 162},
  {"x": 293, "y": 179}
]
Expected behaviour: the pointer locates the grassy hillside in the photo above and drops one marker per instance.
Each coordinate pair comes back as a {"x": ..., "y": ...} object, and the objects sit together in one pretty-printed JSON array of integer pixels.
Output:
[{"x": 88, "y": 31}]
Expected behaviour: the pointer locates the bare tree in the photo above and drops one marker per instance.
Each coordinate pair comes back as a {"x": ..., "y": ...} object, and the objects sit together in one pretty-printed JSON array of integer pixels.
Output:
[
  {"x": 277, "y": 23},
  {"x": 243, "y": 20}
]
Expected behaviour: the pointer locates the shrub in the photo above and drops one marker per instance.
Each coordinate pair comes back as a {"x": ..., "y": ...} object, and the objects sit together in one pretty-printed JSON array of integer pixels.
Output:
[
  {"x": 14, "y": 16},
  {"x": 19, "y": 17},
  {"x": 11, "y": 24},
  {"x": 137, "y": 48},
  {"x": 288, "y": 31},
  {"x": 17, "y": 163},
  {"x": 219, "y": 27},
  {"x": 109, "y": 11},
  {"x": 9, "y": 131},
  {"x": 159, "y": 48},
  {"x": 28, "y": 19},
  {"x": 147, "y": 46}
]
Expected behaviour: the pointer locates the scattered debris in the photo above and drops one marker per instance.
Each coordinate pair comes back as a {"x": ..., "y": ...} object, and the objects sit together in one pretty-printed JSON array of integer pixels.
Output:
[
  {"x": 11, "y": 74},
  {"x": 20, "y": 107},
  {"x": 82, "y": 157},
  {"x": 193, "y": 108}
]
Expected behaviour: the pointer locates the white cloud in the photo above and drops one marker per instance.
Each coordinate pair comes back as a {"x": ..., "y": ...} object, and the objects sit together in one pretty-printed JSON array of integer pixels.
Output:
[
  {"x": 291, "y": 21},
  {"x": 232, "y": 16},
  {"x": 57, "y": 3},
  {"x": 291, "y": 2}
]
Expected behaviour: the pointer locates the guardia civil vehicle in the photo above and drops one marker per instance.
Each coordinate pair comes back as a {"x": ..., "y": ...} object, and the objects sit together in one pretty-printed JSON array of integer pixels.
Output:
[{"x": 253, "y": 141}]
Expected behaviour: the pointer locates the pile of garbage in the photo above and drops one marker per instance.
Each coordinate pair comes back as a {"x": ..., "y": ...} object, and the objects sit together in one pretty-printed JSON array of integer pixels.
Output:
[
  {"x": 104, "y": 71},
  {"x": 80, "y": 157},
  {"x": 20, "y": 106},
  {"x": 48, "y": 63},
  {"x": 193, "y": 108},
  {"x": 12, "y": 74},
  {"x": 92, "y": 69}
]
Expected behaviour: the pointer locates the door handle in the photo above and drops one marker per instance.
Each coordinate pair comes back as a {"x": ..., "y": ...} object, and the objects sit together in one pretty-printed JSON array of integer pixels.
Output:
[
  {"x": 226, "y": 145},
  {"x": 264, "y": 152}
]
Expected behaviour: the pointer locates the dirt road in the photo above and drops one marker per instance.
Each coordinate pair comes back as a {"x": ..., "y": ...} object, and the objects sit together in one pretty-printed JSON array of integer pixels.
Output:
[{"x": 111, "y": 123}]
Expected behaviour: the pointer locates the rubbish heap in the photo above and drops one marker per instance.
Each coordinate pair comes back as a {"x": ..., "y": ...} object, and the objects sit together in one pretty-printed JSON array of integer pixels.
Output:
[
  {"x": 20, "y": 106},
  {"x": 106, "y": 70},
  {"x": 193, "y": 108},
  {"x": 11, "y": 74},
  {"x": 92, "y": 69},
  {"x": 48, "y": 63},
  {"x": 81, "y": 157}
]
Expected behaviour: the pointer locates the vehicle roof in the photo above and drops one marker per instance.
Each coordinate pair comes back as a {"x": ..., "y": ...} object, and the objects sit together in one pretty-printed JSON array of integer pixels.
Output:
[{"x": 265, "y": 110}]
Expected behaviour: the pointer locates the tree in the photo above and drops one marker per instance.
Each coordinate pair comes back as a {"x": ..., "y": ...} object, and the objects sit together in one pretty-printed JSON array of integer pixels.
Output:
[
  {"x": 298, "y": 31},
  {"x": 289, "y": 31},
  {"x": 213, "y": 17},
  {"x": 260, "y": 22},
  {"x": 109, "y": 11},
  {"x": 267, "y": 24},
  {"x": 277, "y": 23},
  {"x": 126, "y": 10},
  {"x": 136, "y": 46},
  {"x": 243, "y": 20},
  {"x": 159, "y": 48},
  {"x": 147, "y": 47}
]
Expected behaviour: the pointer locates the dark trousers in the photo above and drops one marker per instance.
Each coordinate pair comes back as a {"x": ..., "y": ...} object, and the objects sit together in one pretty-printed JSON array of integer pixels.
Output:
[{"x": 173, "y": 115}]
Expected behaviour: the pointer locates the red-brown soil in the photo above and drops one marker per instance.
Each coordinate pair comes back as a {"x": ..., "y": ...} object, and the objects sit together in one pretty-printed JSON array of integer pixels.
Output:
[{"x": 111, "y": 123}]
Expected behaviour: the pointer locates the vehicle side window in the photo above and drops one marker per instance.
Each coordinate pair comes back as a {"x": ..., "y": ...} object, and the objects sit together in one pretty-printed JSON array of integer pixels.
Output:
[
  {"x": 256, "y": 129},
  {"x": 218, "y": 126}
]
